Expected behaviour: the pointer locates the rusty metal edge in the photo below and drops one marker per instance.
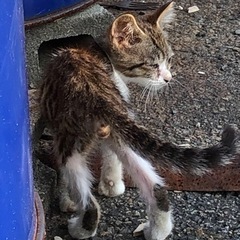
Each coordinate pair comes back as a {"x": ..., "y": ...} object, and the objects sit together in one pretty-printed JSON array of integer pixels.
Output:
[
  {"x": 40, "y": 233},
  {"x": 225, "y": 178},
  {"x": 58, "y": 14}
]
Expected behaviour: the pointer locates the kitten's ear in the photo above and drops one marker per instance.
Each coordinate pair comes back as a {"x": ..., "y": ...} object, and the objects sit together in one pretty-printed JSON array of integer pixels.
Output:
[
  {"x": 125, "y": 31},
  {"x": 162, "y": 16}
]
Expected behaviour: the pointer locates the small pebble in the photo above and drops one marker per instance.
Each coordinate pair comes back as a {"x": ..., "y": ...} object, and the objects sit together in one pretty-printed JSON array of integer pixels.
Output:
[
  {"x": 57, "y": 238},
  {"x": 193, "y": 9},
  {"x": 237, "y": 32},
  {"x": 198, "y": 125}
]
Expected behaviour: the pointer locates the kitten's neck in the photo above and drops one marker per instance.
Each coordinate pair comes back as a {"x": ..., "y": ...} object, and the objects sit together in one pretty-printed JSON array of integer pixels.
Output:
[
  {"x": 119, "y": 79},
  {"x": 120, "y": 84}
]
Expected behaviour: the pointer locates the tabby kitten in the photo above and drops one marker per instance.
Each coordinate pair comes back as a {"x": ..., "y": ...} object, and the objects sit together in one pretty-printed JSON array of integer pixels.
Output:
[{"x": 84, "y": 99}]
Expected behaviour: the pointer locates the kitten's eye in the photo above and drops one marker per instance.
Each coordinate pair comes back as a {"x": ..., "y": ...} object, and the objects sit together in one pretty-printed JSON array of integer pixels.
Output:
[
  {"x": 155, "y": 65},
  {"x": 169, "y": 61}
]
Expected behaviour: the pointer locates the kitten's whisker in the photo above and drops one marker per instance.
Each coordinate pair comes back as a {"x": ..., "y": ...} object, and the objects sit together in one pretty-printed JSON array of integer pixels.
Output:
[
  {"x": 142, "y": 94},
  {"x": 175, "y": 80},
  {"x": 163, "y": 90},
  {"x": 147, "y": 99},
  {"x": 149, "y": 90},
  {"x": 153, "y": 92},
  {"x": 170, "y": 85},
  {"x": 158, "y": 88},
  {"x": 169, "y": 88},
  {"x": 157, "y": 93},
  {"x": 144, "y": 91}
]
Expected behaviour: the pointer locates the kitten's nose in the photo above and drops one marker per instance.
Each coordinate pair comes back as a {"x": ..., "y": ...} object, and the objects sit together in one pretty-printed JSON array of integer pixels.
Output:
[{"x": 167, "y": 76}]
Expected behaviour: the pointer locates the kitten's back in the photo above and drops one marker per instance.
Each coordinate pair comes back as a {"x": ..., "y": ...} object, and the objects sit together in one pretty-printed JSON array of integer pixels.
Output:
[{"x": 76, "y": 84}]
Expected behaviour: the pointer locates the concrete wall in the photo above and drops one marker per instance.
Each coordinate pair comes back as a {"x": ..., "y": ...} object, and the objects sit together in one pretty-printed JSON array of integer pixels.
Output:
[{"x": 93, "y": 21}]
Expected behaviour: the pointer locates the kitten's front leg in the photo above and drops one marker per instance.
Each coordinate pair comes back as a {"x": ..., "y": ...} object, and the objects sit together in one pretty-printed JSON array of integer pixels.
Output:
[{"x": 111, "y": 183}]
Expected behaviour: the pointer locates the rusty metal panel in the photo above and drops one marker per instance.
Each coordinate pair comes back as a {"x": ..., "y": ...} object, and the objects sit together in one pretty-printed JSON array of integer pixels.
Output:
[{"x": 220, "y": 179}]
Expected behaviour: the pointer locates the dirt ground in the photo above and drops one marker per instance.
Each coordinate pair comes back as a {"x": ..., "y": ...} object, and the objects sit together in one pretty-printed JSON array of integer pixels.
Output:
[{"x": 203, "y": 96}]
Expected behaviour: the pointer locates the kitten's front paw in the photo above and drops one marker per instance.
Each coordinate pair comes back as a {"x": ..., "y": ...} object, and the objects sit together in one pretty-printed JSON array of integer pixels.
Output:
[{"x": 110, "y": 188}]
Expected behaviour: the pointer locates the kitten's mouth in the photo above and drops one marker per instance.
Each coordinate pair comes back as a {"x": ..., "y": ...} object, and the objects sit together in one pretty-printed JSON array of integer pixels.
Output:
[
  {"x": 156, "y": 85},
  {"x": 163, "y": 79}
]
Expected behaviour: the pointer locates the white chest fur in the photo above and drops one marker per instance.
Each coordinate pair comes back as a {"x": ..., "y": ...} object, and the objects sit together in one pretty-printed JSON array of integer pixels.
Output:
[{"x": 121, "y": 85}]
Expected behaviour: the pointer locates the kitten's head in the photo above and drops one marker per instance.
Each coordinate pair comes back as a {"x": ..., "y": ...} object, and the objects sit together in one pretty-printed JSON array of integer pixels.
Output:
[{"x": 139, "y": 49}]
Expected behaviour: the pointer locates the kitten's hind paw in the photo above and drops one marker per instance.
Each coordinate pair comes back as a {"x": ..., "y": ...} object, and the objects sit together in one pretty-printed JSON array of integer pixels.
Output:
[
  {"x": 67, "y": 205},
  {"x": 160, "y": 223},
  {"x": 155, "y": 233},
  {"x": 85, "y": 224},
  {"x": 110, "y": 188},
  {"x": 77, "y": 231}
]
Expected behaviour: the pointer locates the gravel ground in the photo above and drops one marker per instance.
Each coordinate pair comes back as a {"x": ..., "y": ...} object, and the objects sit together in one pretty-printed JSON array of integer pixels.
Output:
[
  {"x": 203, "y": 97},
  {"x": 204, "y": 216}
]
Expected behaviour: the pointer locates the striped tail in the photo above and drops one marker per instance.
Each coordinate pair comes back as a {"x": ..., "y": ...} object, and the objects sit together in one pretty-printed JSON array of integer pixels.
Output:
[{"x": 173, "y": 157}]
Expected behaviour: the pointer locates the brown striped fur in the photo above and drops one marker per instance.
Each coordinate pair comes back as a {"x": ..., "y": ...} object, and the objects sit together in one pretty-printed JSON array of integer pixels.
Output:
[
  {"x": 86, "y": 106},
  {"x": 81, "y": 101}
]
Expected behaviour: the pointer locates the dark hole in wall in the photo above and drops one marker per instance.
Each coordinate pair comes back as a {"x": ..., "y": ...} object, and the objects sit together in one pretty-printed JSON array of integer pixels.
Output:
[{"x": 48, "y": 48}]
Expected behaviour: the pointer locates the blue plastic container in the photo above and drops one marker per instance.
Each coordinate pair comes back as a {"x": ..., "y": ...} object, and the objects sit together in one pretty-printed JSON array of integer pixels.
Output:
[
  {"x": 17, "y": 214},
  {"x": 39, "y": 8}
]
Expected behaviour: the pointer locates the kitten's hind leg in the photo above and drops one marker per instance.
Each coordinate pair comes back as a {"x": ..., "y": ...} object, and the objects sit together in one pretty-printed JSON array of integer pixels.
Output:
[
  {"x": 78, "y": 180},
  {"x": 65, "y": 202},
  {"x": 85, "y": 224},
  {"x": 152, "y": 189},
  {"x": 111, "y": 183},
  {"x": 160, "y": 222}
]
